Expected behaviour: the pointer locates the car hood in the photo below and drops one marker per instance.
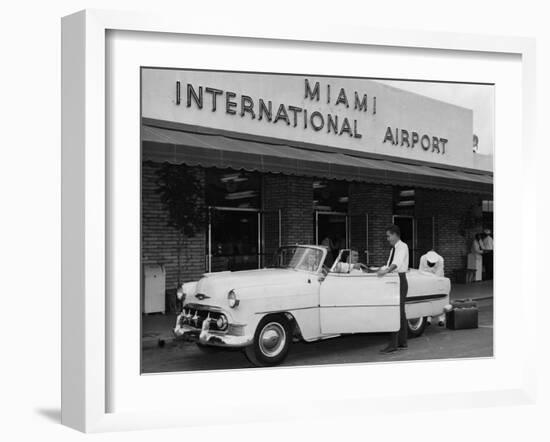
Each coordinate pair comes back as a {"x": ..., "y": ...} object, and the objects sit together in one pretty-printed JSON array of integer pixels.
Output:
[{"x": 213, "y": 288}]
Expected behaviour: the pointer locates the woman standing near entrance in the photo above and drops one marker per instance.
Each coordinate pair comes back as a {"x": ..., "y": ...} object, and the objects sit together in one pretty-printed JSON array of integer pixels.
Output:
[{"x": 475, "y": 257}]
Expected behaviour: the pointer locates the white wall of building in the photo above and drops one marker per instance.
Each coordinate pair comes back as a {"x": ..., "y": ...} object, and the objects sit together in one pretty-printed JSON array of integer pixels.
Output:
[{"x": 444, "y": 131}]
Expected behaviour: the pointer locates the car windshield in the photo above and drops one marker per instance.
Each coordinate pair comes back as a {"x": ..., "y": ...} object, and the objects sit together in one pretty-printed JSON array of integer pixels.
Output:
[{"x": 299, "y": 258}]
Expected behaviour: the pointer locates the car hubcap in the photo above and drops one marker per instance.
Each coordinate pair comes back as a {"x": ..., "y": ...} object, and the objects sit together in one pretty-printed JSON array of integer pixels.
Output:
[
  {"x": 272, "y": 339},
  {"x": 415, "y": 324}
]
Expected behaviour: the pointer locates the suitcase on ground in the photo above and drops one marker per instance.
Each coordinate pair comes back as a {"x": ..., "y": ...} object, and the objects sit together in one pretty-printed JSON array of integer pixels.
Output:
[
  {"x": 464, "y": 315},
  {"x": 462, "y": 303}
]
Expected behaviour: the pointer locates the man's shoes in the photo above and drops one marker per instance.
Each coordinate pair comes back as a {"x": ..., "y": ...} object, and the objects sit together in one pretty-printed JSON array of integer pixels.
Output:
[
  {"x": 389, "y": 349},
  {"x": 403, "y": 347}
]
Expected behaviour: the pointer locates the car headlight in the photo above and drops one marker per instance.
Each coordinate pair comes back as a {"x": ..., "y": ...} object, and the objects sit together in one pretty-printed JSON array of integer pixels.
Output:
[
  {"x": 221, "y": 323},
  {"x": 180, "y": 294},
  {"x": 232, "y": 299}
]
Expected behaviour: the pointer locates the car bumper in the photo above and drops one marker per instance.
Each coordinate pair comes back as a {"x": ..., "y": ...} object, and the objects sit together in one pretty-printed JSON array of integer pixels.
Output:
[{"x": 206, "y": 336}]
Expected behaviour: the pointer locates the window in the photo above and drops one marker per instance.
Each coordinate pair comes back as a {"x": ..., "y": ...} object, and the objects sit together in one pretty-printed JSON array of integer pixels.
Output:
[
  {"x": 487, "y": 211},
  {"x": 232, "y": 188},
  {"x": 234, "y": 219},
  {"x": 487, "y": 206},
  {"x": 330, "y": 196},
  {"x": 403, "y": 201}
]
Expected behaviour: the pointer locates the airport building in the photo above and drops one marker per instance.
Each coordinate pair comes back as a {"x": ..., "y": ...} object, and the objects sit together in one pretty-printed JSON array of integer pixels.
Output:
[{"x": 269, "y": 159}]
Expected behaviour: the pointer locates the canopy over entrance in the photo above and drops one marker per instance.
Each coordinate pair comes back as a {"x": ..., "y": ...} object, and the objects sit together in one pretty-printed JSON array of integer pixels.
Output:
[{"x": 166, "y": 144}]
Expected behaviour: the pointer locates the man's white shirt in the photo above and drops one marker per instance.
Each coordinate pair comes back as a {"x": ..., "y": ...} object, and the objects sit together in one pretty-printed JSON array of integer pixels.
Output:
[
  {"x": 400, "y": 257},
  {"x": 488, "y": 243}
]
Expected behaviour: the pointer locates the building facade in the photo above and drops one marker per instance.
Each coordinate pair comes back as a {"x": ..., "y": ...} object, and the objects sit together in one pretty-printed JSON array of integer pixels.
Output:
[{"x": 312, "y": 160}]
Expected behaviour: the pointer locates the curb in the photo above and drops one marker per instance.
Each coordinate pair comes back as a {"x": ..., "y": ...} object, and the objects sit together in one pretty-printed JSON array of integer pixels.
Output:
[
  {"x": 483, "y": 298},
  {"x": 478, "y": 298}
]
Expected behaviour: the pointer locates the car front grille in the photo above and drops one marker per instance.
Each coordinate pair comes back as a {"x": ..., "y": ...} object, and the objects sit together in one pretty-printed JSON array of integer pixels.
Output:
[{"x": 194, "y": 316}]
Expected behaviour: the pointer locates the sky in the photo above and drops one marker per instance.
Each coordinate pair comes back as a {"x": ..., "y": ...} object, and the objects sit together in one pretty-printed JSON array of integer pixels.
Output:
[{"x": 479, "y": 98}]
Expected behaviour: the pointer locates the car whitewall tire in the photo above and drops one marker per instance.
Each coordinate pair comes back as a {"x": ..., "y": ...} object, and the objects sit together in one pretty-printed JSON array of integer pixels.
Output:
[
  {"x": 271, "y": 341},
  {"x": 416, "y": 326}
]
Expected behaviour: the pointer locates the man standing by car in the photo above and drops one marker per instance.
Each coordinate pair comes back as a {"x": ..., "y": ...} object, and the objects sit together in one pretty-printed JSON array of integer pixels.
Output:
[
  {"x": 487, "y": 242},
  {"x": 397, "y": 262}
]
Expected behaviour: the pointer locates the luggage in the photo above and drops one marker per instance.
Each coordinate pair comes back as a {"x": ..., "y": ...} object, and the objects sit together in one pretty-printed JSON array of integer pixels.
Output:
[
  {"x": 463, "y": 303},
  {"x": 464, "y": 315}
]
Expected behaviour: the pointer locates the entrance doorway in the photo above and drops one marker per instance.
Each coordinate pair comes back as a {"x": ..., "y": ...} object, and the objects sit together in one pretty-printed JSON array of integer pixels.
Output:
[
  {"x": 418, "y": 234},
  {"x": 233, "y": 239},
  {"x": 406, "y": 225},
  {"x": 241, "y": 238},
  {"x": 332, "y": 230},
  {"x": 425, "y": 237}
]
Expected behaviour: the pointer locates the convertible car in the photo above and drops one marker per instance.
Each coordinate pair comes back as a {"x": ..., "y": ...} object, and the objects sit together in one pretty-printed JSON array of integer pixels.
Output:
[{"x": 263, "y": 311}]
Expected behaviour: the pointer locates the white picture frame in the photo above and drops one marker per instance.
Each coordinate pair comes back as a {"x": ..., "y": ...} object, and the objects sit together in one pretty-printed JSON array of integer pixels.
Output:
[{"x": 86, "y": 202}]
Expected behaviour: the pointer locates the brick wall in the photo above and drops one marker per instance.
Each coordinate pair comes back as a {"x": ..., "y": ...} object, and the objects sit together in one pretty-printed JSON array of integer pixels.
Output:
[
  {"x": 160, "y": 241},
  {"x": 293, "y": 196},
  {"x": 376, "y": 200},
  {"x": 449, "y": 208}
]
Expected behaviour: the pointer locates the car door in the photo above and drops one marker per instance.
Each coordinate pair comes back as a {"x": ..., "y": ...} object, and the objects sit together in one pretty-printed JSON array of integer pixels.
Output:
[{"x": 359, "y": 303}]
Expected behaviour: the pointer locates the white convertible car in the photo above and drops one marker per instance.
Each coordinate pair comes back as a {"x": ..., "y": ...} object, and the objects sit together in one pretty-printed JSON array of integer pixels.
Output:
[{"x": 263, "y": 311}]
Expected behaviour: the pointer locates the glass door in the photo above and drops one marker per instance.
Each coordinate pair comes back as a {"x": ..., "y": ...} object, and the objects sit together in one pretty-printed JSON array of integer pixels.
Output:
[
  {"x": 424, "y": 237},
  {"x": 233, "y": 241},
  {"x": 359, "y": 236},
  {"x": 407, "y": 226},
  {"x": 332, "y": 231}
]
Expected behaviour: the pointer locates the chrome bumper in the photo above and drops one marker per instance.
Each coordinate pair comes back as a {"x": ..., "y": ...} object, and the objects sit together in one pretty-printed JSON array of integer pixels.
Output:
[{"x": 206, "y": 336}]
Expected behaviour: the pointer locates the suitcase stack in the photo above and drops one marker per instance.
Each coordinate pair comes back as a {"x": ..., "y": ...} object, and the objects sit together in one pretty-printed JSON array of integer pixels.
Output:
[{"x": 464, "y": 315}]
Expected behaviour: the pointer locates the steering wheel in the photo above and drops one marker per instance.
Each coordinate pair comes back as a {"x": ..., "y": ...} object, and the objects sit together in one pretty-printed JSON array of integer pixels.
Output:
[{"x": 363, "y": 267}]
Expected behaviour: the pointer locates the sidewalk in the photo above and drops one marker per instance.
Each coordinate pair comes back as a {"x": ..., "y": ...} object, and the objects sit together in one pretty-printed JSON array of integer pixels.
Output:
[{"x": 475, "y": 290}]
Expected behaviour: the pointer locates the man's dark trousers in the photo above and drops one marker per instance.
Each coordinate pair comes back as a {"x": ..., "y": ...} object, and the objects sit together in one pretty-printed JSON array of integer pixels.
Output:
[{"x": 399, "y": 338}]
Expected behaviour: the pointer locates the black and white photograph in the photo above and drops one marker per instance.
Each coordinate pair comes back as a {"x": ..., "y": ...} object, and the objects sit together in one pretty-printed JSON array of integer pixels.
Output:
[
  {"x": 250, "y": 221},
  {"x": 301, "y": 220}
]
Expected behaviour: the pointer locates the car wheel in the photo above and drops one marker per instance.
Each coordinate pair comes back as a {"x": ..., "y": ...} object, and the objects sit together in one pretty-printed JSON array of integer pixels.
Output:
[
  {"x": 416, "y": 326},
  {"x": 271, "y": 342}
]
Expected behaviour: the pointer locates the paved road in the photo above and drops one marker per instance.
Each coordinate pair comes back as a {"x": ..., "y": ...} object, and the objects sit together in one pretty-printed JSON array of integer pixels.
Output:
[{"x": 435, "y": 343}]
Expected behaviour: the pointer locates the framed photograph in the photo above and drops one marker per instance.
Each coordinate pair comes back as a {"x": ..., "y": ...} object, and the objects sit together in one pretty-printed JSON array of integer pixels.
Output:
[{"x": 255, "y": 216}]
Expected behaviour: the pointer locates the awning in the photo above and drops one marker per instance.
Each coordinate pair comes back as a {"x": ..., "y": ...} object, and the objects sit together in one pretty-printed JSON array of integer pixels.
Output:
[{"x": 211, "y": 150}]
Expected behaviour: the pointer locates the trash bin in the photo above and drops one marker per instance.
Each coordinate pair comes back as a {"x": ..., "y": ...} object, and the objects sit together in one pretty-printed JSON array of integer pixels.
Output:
[{"x": 154, "y": 289}]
